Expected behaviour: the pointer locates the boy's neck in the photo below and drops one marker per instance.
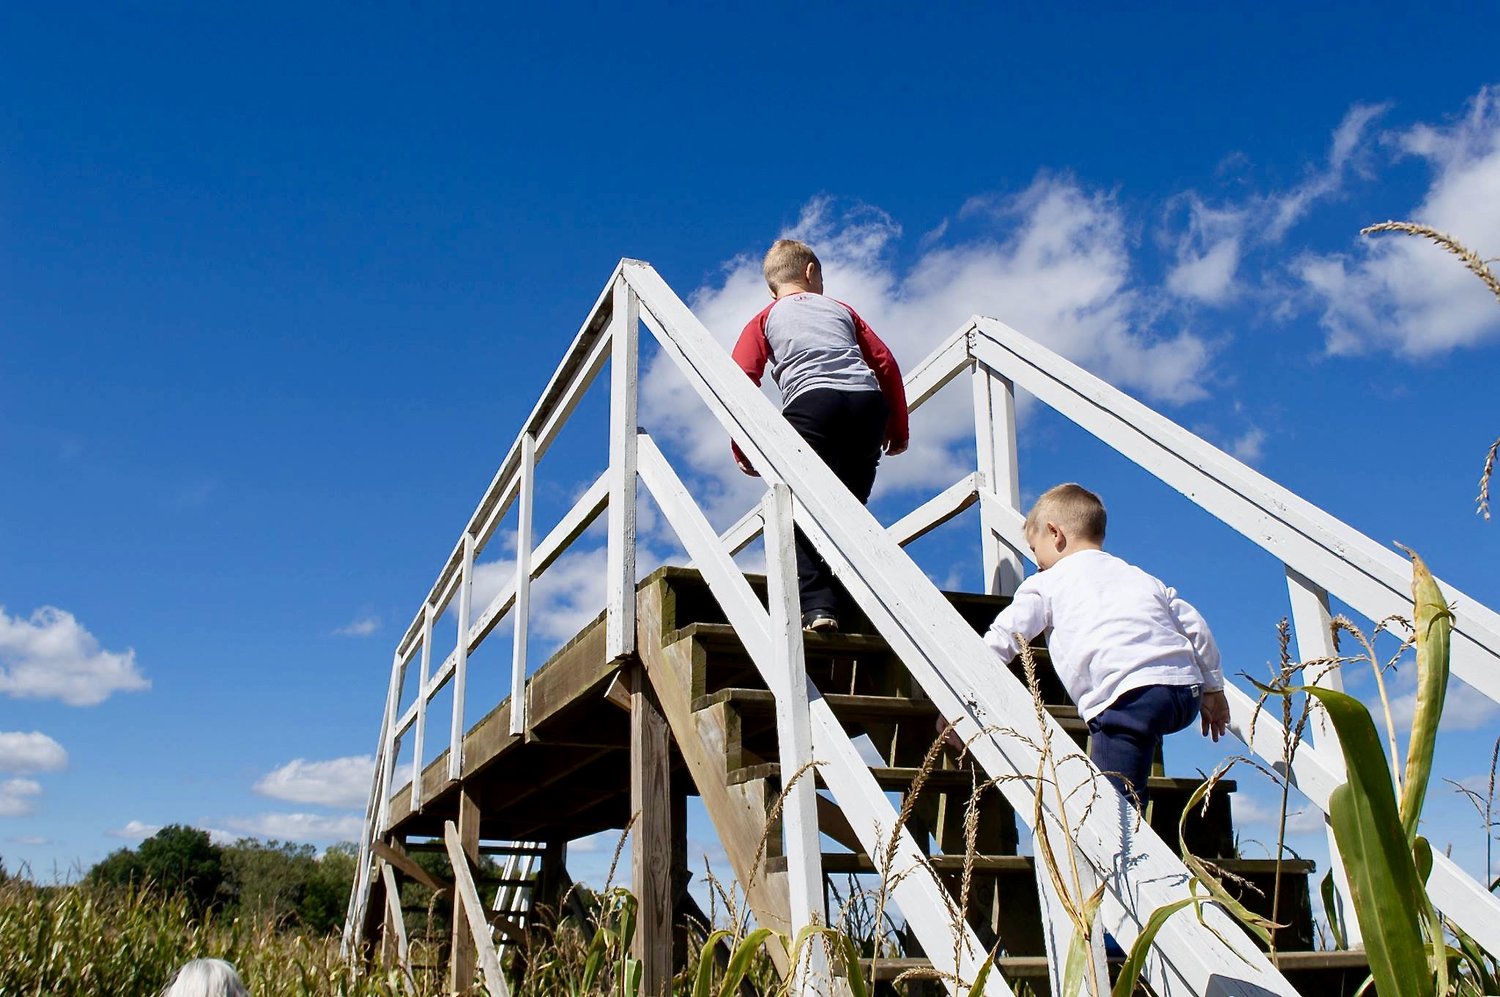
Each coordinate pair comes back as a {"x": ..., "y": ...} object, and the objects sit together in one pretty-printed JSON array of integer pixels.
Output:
[
  {"x": 787, "y": 290},
  {"x": 1077, "y": 547}
]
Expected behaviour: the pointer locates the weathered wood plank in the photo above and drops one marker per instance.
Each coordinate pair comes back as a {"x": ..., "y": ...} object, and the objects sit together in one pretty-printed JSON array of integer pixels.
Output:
[
  {"x": 464, "y": 840},
  {"x": 623, "y": 380},
  {"x": 473, "y": 913},
  {"x": 651, "y": 848}
]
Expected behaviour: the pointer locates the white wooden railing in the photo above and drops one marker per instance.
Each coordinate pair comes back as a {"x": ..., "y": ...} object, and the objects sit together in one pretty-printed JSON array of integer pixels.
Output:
[{"x": 944, "y": 656}]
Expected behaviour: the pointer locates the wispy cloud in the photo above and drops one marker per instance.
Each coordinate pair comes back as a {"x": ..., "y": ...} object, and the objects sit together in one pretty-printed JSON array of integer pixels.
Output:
[
  {"x": 51, "y": 656},
  {"x": 361, "y": 626},
  {"x": 1052, "y": 261},
  {"x": 29, "y": 839},
  {"x": 134, "y": 830},
  {"x": 1403, "y": 295},
  {"x": 18, "y": 797},
  {"x": 336, "y": 782},
  {"x": 297, "y": 827},
  {"x": 30, "y": 752}
]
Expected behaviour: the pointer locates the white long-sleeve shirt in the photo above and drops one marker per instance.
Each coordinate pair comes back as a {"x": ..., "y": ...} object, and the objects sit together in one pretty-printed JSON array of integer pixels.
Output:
[{"x": 1110, "y": 628}]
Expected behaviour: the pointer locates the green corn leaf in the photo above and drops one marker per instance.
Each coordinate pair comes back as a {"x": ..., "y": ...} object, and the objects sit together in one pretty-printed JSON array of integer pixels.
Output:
[
  {"x": 1260, "y": 926},
  {"x": 1331, "y": 908},
  {"x": 703, "y": 984},
  {"x": 1434, "y": 626},
  {"x": 1387, "y": 893},
  {"x": 854, "y": 974},
  {"x": 1079, "y": 949},
  {"x": 739, "y": 961},
  {"x": 983, "y": 976},
  {"x": 1130, "y": 972}
]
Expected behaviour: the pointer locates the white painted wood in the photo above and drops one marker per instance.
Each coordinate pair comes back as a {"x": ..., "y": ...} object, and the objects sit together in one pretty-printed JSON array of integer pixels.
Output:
[
  {"x": 523, "y": 588},
  {"x": 935, "y": 511},
  {"x": 845, "y": 773},
  {"x": 570, "y": 528},
  {"x": 479, "y": 926},
  {"x": 952, "y": 664},
  {"x": 1373, "y": 580},
  {"x": 995, "y": 444},
  {"x": 420, "y": 705},
  {"x": 624, "y": 377},
  {"x": 461, "y": 661},
  {"x": 389, "y": 741},
  {"x": 799, "y": 814},
  {"x": 1057, "y": 926},
  {"x": 939, "y": 367},
  {"x": 1316, "y": 775},
  {"x": 1005, "y": 521},
  {"x": 1312, "y": 624},
  {"x": 393, "y": 909}
]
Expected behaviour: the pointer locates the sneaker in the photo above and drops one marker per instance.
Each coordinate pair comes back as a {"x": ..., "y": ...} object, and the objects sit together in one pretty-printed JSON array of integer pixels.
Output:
[{"x": 820, "y": 621}]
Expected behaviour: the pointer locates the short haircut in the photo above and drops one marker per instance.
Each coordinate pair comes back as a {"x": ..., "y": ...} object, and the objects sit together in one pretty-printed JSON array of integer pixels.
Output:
[
  {"x": 787, "y": 261},
  {"x": 206, "y": 978},
  {"x": 1071, "y": 506}
]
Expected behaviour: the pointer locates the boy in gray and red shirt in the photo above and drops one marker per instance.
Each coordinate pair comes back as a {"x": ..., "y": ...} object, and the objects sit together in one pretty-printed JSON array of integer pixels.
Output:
[{"x": 840, "y": 388}]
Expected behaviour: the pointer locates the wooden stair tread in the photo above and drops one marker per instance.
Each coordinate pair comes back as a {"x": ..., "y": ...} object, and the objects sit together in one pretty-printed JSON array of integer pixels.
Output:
[
  {"x": 863, "y": 707},
  {"x": 858, "y": 862},
  {"x": 722, "y": 635},
  {"x": 946, "y": 779},
  {"x": 1020, "y": 967}
]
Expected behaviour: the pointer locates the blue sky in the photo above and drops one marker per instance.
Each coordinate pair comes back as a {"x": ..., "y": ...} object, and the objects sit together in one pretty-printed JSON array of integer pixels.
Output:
[{"x": 277, "y": 287}]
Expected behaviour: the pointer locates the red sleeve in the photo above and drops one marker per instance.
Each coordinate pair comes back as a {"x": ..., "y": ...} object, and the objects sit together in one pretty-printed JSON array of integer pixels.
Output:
[
  {"x": 888, "y": 374},
  {"x": 752, "y": 352}
]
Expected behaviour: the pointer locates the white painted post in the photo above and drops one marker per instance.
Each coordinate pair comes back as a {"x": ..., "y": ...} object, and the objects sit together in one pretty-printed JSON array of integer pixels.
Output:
[
  {"x": 623, "y": 378},
  {"x": 461, "y": 662},
  {"x": 523, "y": 585},
  {"x": 391, "y": 744},
  {"x": 799, "y": 812},
  {"x": 995, "y": 441},
  {"x": 1313, "y": 625},
  {"x": 421, "y": 733},
  {"x": 479, "y": 927}
]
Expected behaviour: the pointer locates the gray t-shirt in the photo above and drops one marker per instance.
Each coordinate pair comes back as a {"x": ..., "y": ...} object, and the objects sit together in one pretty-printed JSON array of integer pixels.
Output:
[{"x": 813, "y": 345}]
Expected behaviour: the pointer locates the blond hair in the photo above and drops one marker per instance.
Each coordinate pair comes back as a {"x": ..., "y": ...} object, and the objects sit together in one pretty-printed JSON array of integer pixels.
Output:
[
  {"x": 786, "y": 261},
  {"x": 1071, "y": 506}
]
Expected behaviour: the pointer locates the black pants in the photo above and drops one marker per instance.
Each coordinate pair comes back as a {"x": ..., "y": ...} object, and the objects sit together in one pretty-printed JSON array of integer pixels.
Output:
[{"x": 846, "y": 429}]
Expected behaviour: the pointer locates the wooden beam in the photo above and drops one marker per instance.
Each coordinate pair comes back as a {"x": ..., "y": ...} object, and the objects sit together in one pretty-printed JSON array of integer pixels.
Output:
[
  {"x": 463, "y": 850},
  {"x": 473, "y": 913},
  {"x": 407, "y": 867},
  {"x": 651, "y": 849},
  {"x": 394, "y": 917},
  {"x": 619, "y": 579}
]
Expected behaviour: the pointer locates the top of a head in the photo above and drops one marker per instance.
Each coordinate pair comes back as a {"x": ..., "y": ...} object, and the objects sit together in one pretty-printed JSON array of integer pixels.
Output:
[
  {"x": 786, "y": 261},
  {"x": 207, "y": 978},
  {"x": 1071, "y": 506}
]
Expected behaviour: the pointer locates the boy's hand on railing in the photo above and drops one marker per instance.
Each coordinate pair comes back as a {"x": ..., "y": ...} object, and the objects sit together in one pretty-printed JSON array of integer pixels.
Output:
[
  {"x": 1215, "y": 711},
  {"x": 892, "y": 448},
  {"x": 744, "y": 465}
]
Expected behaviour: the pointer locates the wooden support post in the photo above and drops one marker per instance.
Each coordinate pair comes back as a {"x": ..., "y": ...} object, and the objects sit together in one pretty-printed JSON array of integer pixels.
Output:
[
  {"x": 995, "y": 440},
  {"x": 469, "y": 913},
  {"x": 523, "y": 586},
  {"x": 794, "y": 735},
  {"x": 1313, "y": 625},
  {"x": 651, "y": 849},
  {"x": 395, "y": 922},
  {"x": 461, "y": 963},
  {"x": 620, "y": 580}
]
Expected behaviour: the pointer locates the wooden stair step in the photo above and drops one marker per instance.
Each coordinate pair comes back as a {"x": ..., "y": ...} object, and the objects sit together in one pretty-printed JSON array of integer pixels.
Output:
[
  {"x": 856, "y": 863},
  {"x": 859, "y": 707},
  {"x": 962, "y": 780}
]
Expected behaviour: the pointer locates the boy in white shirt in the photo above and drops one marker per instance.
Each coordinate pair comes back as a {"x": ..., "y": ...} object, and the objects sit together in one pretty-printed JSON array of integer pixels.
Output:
[{"x": 1139, "y": 662}]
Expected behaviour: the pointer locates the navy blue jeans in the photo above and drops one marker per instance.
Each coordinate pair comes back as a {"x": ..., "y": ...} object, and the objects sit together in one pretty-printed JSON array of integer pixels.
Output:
[{"x": 1123, "y": 738}]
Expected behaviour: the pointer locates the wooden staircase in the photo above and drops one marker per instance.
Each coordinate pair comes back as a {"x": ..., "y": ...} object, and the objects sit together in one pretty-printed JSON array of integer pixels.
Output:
[{"x": 721, "y": 716}]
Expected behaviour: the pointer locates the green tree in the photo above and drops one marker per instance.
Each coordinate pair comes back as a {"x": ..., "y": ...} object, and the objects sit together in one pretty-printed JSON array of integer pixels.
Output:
[
  {"x": 267, "y": 880},
  {"x": 178, "y": 859}
]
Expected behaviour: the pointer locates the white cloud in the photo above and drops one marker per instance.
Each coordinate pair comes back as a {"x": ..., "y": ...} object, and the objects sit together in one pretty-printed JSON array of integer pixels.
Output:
[
  {"x": 51, "y": 656},
  {"x": 296, "y": 827},
  {"x": 337, "y": 782},
  {"x": 1461, "y": 710},
  {"x": 1403, "y": 294},
  {"x": 29, "y": 839},
  {"x": 1052, "y": 262},
  {"x": 18, "y": 797},
  {"x": 362, "y": 626},
  {"x": 134, "y": 830},
  {"x": 1212, "y": 247},
  {"x": 33, "y": 752},
  {"x": 1250, "y": 446}
]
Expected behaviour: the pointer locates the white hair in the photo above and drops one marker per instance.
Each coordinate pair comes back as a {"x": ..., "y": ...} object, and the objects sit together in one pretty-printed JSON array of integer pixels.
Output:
[{"x": 207, "y": 978}]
